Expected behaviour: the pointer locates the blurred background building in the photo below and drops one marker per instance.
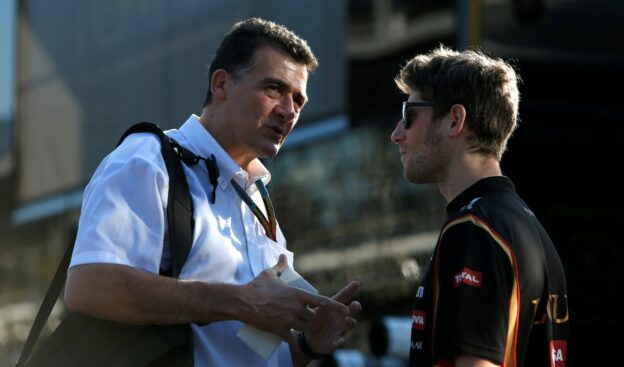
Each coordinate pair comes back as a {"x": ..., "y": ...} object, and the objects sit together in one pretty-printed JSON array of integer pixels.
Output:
[{"x": 75, "y": 74}]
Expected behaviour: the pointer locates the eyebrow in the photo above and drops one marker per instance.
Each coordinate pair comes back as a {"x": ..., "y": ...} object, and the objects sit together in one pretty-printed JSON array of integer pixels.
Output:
[{"x": 283, "y": 85}]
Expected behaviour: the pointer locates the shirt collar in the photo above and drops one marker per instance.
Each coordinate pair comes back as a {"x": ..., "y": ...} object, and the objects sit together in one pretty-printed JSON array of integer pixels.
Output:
[
  {"x": 479, "y": 189},
  {"x": 202, "y": 143}
]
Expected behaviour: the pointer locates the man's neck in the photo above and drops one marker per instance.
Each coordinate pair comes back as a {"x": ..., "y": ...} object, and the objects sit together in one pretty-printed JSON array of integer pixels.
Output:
[
  {"x": 464, "y": 172},
  {"x": 211, "y": 122}
]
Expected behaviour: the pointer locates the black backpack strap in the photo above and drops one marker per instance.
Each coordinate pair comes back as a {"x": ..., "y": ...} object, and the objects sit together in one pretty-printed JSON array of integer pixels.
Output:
[
  {"x": 179, "y": 203},
  {"x": 190, "y": 158},
  {"x": 183, "y": 154},
  {"x": 180, "y": 235},
  {"x": 58, "y": 282}
]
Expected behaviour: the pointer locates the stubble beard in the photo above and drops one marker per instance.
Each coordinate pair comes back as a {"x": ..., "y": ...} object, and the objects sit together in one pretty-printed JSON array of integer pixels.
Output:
[{"x": 431, "y": 165}]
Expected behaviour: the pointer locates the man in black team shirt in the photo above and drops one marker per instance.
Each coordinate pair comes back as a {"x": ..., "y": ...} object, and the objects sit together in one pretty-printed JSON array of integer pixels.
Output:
[{"x": 494, "y": 293}]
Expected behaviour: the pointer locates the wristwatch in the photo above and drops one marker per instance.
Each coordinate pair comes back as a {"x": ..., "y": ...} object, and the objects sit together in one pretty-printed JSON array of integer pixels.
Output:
[{"x": 305, "y": 348}]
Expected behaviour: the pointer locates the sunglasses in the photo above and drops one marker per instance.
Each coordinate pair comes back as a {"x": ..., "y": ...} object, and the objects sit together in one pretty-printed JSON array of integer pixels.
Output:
[{"x": 407, "y": 117}]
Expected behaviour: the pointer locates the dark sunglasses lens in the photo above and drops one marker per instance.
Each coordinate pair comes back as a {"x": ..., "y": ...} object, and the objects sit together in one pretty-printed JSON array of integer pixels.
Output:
[{"x": 407, "y": 117}]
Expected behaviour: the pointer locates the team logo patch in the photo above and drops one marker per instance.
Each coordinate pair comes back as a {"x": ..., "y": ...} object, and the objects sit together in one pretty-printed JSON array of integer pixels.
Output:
[
  {"x": 468, "y": 276},
  {"x": 418, "y": 320},
  {"x": 558, "y": 349}
]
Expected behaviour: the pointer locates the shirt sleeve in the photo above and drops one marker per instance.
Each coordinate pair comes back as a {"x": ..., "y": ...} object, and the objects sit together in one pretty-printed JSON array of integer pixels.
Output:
[
  {"x": 475, "y": 281},
  {"x": 122, "y": 219}
]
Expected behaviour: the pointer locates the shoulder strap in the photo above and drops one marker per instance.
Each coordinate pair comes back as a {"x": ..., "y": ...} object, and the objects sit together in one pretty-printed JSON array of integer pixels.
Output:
[
  {"x": 179, "y": 203},
  {"x": 180, "y": 234},
  {"x": 58, "y": 282}
]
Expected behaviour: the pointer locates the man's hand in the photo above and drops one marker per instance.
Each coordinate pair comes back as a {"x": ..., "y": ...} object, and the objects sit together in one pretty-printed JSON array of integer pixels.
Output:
[
  {"x": 278, "y": 308},
  {"x": 325, "y": 332}
]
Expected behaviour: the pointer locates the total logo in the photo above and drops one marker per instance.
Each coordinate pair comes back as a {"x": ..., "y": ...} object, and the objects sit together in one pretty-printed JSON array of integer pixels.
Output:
[
  {"x": 558, "y": 349},
  {"x": 418, "y": 320},
  {"x": 468, "y": 276}
]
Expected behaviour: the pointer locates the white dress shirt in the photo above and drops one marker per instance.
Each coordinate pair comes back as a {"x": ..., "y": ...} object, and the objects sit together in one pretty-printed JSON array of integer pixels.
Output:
[{"x": 123, "y": 221}]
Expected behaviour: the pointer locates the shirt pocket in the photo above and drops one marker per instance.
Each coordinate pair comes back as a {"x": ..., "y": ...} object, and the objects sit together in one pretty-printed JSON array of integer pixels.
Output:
[{"x": 270, "y": 252}]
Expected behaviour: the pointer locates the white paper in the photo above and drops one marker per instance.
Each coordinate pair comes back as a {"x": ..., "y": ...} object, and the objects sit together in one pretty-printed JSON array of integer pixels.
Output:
[
  {"x": 265, "y": 343},
  {"x": 293, "y": 279}
]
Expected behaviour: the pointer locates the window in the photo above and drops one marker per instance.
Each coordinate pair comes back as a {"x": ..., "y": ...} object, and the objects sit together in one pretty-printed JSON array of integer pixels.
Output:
[{"x": 7, "y": 75}]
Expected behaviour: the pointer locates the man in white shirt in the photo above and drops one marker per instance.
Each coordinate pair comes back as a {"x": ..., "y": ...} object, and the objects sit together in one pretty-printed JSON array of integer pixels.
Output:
[{"x": 257, "y": 90}]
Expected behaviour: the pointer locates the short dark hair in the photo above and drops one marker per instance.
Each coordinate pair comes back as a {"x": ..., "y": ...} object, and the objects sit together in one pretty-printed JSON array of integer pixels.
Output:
[
  {"x": 487, "y": 87},
  {"x": 238, "y": 47}
]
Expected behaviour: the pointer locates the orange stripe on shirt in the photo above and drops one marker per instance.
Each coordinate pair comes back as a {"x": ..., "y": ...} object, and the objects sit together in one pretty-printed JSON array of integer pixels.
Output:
[{"x": 514, "y": 301}]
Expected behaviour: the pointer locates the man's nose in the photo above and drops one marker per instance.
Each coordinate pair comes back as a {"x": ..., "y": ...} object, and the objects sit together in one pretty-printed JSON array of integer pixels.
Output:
[
  {"x": 287, "y": 109},
  {"x": 398, "y": 133}
]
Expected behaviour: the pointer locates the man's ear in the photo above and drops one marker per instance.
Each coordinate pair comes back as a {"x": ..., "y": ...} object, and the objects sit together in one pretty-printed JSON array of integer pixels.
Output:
[
  {"x": 458, "y": 120},
  {"x": 218, "y": 84}
]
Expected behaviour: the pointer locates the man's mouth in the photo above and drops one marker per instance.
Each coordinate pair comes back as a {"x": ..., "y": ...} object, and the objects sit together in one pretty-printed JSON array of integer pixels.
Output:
[{"x": 277, "y": 131}]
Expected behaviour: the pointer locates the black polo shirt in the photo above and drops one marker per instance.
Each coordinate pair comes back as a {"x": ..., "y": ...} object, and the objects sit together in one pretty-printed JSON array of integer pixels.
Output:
[{"x": 495, "y": 287}]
